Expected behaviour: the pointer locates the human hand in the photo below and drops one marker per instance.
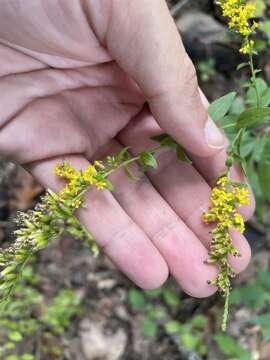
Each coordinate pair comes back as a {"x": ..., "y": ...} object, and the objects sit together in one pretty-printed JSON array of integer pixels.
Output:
[{"x": 75, "y": 77}]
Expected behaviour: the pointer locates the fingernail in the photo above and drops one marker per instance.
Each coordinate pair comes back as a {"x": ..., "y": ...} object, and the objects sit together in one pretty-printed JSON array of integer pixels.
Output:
[{"x": 213, "y": 136}]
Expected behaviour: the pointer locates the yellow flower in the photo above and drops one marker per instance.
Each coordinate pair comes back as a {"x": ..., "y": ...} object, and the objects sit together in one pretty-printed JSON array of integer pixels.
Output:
[
  {"x": 225, "y": 198},
  {"x": 238, "y": 223},
  {"x": 247, "y": 47},
  {"x": 240, "y": 14},
  {"x": 101, "y": 184},
  {"x": 242, "y": 196},
  {"x": 79, "y": 181},
  {"x": 89, "y": 174},
  {"x": 99, "y": 164},
  {"x": 66, "y": 170}
]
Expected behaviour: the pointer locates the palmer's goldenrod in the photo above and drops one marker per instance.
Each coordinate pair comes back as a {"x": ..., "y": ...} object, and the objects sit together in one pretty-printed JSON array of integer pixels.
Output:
[
  {"x": 240, "y": 14},
  {"x": 78, "y": 181},
  {"x": 225, "y": 199},
  {"x": 227, "y": 196}
]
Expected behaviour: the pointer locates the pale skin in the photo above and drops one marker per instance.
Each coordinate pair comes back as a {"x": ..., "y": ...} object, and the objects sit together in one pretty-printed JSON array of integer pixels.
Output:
[{"x": 74, "y": 80}]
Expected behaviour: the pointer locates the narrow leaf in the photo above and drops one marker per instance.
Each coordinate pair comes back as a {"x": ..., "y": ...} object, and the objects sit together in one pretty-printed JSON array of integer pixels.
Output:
[
  {"x": 242, "y": 65},
  {"x": 130, "y": 174},
  {"x": 181, "y": 155},
  {"x": 165, "y": 140},
  {"x": 253, "y": 117}
]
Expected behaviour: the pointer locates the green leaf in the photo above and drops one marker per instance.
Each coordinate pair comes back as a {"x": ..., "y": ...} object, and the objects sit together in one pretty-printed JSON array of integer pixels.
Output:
[
  {"x": 221, "y": 106},
  {"x": 123, "y": 154},
  {"x": 247, "y": 145},
  {"x": 171, "y": 298},
  {"x": 10, "y": 345},
  {"x": 199, "y": 321},
  {"x": 264, "y": 322},
  {"x": 253, "y": 178},
  {"x": 260, "y": 6},
  {"x": 190, "y": 341},
  {"x": 148, "y": 328},
  {"x": 242, "y": 65},
  {"x": 148, "y": 160},
  {"x": 130, "y": 174},
  {"x": 251, "y": 295},
  {"x": 265, "y": 98},
  {"x": 238, "y": 106},
  {"x": 259, "y": 145},
  {"x": 264, "y": 170},
  {"x": 159, "y": 138},
  {"x": 12, "y": 357},
  {"x": 230, "y": 347},
  {"x": 27, "y": 357},
  {"x": 258, "y": 87},
  {"x": 157, "y": 313},
  {"x": 265, "y": 27},
  {"x": 136, "y": 299},
  {"x": 263, "y": 279},
  {"x": 109, "y": 185},
  {"x": 173, "y": 327},
  {"x": 15, "y": 336},
  {"x": 253, "y": 117},
  {"x": 181, "y": 155},
  {"x": 165, "y": 140},
  {"x": 153, "y": 293}
]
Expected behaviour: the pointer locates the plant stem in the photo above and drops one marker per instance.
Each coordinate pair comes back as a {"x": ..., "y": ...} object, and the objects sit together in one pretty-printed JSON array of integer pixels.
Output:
[
  {"x": 131, "y": 160},
  {"x": 253, "y": 77},
  {"x": 226, "y": 312},
  {"x": 228, "y": 126}
]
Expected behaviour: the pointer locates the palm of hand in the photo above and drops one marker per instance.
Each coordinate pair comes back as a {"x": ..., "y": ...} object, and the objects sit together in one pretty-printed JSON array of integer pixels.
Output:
[{"x": 59, "y": 103}]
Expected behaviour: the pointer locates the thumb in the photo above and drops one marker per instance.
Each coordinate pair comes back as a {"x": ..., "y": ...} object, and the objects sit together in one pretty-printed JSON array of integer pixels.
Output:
[{"x": 142, "y": 37}]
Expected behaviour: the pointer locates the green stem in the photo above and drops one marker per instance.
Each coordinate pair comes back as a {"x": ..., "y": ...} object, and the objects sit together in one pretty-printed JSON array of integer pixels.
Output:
[
  {"x": 228, "y": 126},
  {"x": 123, "y": 164},
  {"x": 253, "y": 77},
  {"x": 226, "y": 312},
  {"x": 129, "y": 161},
  {"x": 238, "y": 135}
]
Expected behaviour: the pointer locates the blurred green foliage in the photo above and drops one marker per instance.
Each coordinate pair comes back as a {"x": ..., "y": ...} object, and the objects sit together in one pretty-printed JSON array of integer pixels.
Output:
[
  {"x": 206, "y": 69},
  {"x": 158, "y": 310},
  {"x": 231, "y": 347},
  {"x": 256, "y": 296},
  {"x": 29, "y": 321}
]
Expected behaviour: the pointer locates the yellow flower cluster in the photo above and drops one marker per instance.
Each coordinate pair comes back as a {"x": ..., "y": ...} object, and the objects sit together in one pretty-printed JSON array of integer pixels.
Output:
[
  {"x": 225, "y": 199},
  {"x": 240, "y": 14},
  {"x": 79, "y": 181}
]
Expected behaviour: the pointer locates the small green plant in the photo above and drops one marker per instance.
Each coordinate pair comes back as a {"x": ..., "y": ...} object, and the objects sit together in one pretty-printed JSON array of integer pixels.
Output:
[
  {"x": 30, "y": 327},
  {"x": 158, "y": 308},
  {"x": 230, "y": 347},
  {"x": 256, "y": 296},
  {"x": 191, "y": 335}
]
